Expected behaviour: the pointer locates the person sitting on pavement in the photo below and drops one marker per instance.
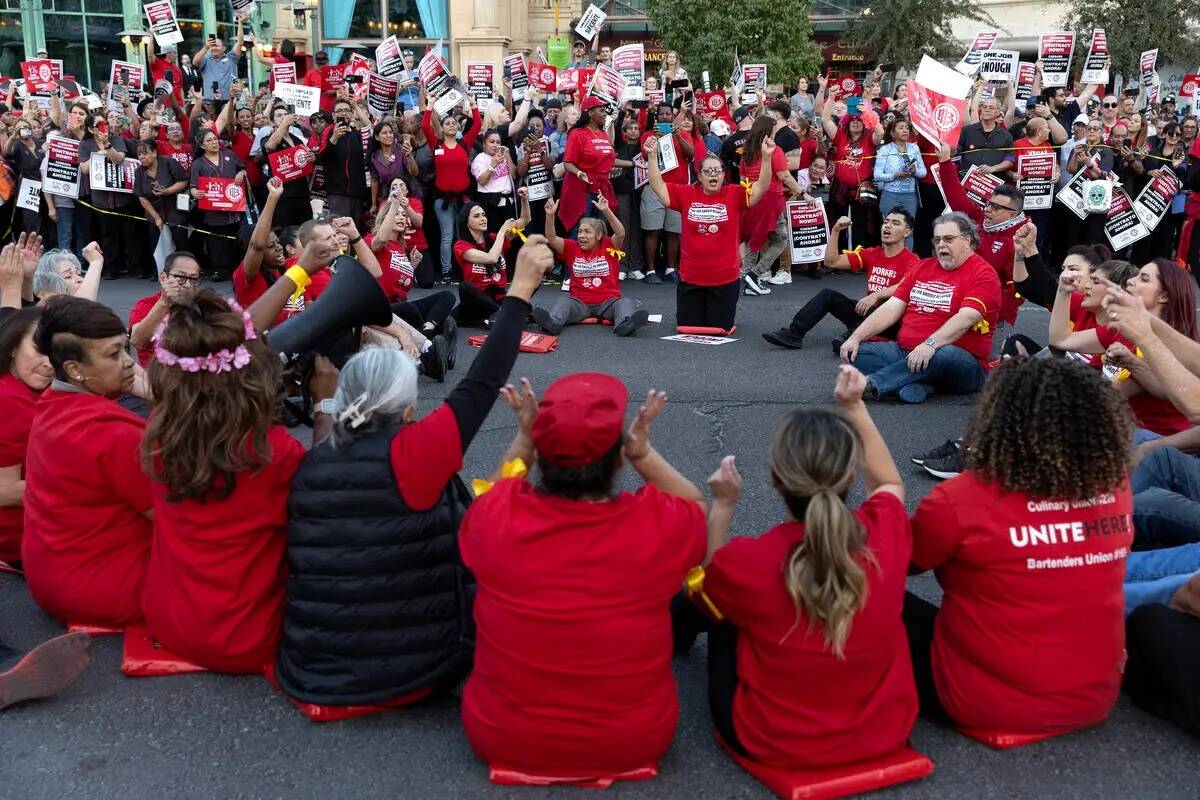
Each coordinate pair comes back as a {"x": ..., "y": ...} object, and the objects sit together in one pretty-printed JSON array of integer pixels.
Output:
[
  {"x": 947, "y": 308},
  {"x": 180, "y": 274},
  {"x": 808, "y": 666},
  {"x": 58, "y": 272},
  {"x": 593, "y": 262},
  {"x": 373, "y": 525},
  {"x": 1029, "y": 547},
  {"x": 885, "y": 266},
  {"x": 573, "y": 658},
  {"x": 480, "y": 258}
]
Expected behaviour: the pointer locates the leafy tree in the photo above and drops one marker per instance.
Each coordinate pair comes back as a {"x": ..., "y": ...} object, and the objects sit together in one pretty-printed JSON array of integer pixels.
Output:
[
  {"x": 1169, "y": 25},
  {"x": 900, "y": 31},
  {"x": 706, "y": 34}
]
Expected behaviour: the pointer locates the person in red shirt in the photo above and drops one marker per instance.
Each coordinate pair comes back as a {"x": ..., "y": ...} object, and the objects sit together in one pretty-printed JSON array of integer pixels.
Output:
[
  {"x": 1030, "y": 635},
  {"x": 24, "y": 375},
  {"x": 573, "y": 659},
  {"x": 588, "y": 161},
  {"x": 764, "y": 227},
  {"x": 853, "y": 142},
  {"x": 87, "y": 502},
  {"x": 711, "y": 210},
  {"x": 326, "y": 78},
  {"x": 946, "y": 307},
  {"x": 180, "y": 275},
  {"x": 264, "y": 261},
  {"x": 167, "y": 61},
  {"x": 451, "y": 172},
  {"x": 801, "y": 675},
  {"x": 479, "y": 255},
  {"x": 593, "y": 262},
  {"x": 885, "y": 266},
  {"x": 175, "y": 145}
]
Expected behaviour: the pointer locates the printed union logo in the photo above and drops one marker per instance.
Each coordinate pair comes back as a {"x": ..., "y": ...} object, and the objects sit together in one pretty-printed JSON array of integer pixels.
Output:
[
  {"x": 847, "y": 85},
  {"x": 545, "y": 75},
  {"x": 945, "y": 116},
  {"x": 233, "y": 193},
  {"x": 716, "y": 102},
  {"x": 1188, "y": 88},
  {"x": 44, "y": 72},
  {"x": 303, "y": 156}
]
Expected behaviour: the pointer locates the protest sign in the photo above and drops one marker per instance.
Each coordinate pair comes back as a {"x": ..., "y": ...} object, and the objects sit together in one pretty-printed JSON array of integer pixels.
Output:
[
  {"x": 62, "y": 167},
  {"x": 109, "y": 177},
  {"x": 1095, "y": 66},
  {"x": 712, "y": 104},
  {"x": 441, "y": 84},
  {"x": 243, "y": 8},
  {"x": 696, "y": 338},
  {"x": 1055, "y": 50},
  {"x": 517, "y": 67},
  {"x": 481, "y": 82},
  {"x": 221, "y": 194},
  {"x": 305, "y": 99},
  {"x": 737, "y": 81},
  {"x": 808, "y": 230},
  {"x": 630, "y": 61},
  {"x": 1148, "y": 61},
  {"x": 388, "y": 62},
  {"x": 543, "y": 76},
  {"x": 38, "y": 75},
  {"x": 641, "y": 171},
  {"x": 937, "y": 101},
  {"x": 1026, "y": 71},
  {"x": 1188, "y": 86},
  {"x": 979, "y": 185},
  {"x": 29, "y": 196},
  {"x": 982, "y": 42},
  {"x": 591, "y": 22},
  {"x": 333, "y": 76},
  {"x": 1154, "y": 201},
  {"x": 667, "y": 160},
  {"x": 163, "y": 24},
  {"x": 999, "y": 66},
  {"x": 755, "y": 76},
  {"x": 1070, "y": 194},
  {"x": 539, "y": 180},
  {"x": 1035, "y": 178},
  {"x": 1123, "y": 227},
  {"x": 381, "y": 96},
  {"x": 292, "y": 163},
  {"x": 846, "y": 86},
  {"x": 283, "y": 73},
  {"x": 122, "y": 76},
  {"x": 609, "y": 86}
]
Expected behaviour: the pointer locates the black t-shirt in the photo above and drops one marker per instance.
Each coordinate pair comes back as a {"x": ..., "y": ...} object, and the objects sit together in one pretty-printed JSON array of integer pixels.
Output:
[
  {"x": 731, "y": 154},
  {"x": 787, "y": 140},
  {"x": 984, "y": 148},
  {"x": 1066, "y": 117}
]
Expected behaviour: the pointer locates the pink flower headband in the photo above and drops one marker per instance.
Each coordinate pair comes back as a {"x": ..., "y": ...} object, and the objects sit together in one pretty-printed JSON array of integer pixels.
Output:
[{"x": 220, "y": 361}]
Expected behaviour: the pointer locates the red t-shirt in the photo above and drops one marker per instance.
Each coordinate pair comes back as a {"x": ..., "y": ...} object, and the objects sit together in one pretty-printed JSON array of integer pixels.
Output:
[
  {"x": 87, "y": 538},
  {"x": 1083, "y": 320},
  {"x": 855, "y": 162},
  {"x": 241, "y": 145},
  {"x": 182, "y": 154},
  {"x": 17, "y": 406},
  {"x": 1157, "y": 414},
  {"x": 797, "y": 704},
  {"x": 481, "y": 276},
  {"x": 708, "y": 251},
  {"x": 751, "y": 172},
  {"x": 425, "y": 456},
  {"x": 882, "y": 271},
  {"x": 592, "y": 152},
  {"x": 215, "y": 584},
  {"x": 680, "y": 175},
  {"x": 808, "y": 152},
  {"x": 397, "y": 277},
  {"x": 452, "y": 165},
  {"x": 595, "y": 274},
  {"x": 1023, "y": 145},
  {"x": 934, "y": 295},
  {"x": 573, "y": 648},
  {"x": 141, "y": 309},
  {"x": 247, "y": 292},
  {"x": 1031, "y": 633},
  {"x": 415, "y": 236},
  {"x": 316, "y": 78}
]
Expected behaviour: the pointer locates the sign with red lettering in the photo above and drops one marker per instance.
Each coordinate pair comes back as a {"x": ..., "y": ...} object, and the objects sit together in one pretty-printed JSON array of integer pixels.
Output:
[
  {"x": 62, "y": 167},
  {"x": 1123, "y": 227},
  {"x": 1056, "y": 50},
  {"x": 1035, "y": 177},
  {"x": 1026, "y": 71},
  {"x": 937, "y": 101},
  {"x": 543, "y": 76},
  {"x": 283, "y": 73},
  {"x": 163, "y": 24},
  {"x": 291, "y": 164},
  {"x": 381, "y": 95},
  {"x": 808, "y": 230},
  {"x": 38, "y": 74},
  {"x": 979, "y": 185},
  {"x": 221, "y": 194},
  {"x": 517, "y": 68},
  {"x": 1095, "y": 66},
  {"x": 481, "y": 82},
  {"x": 982, "y": 42},
  {"x": 1154, "y": 201}
]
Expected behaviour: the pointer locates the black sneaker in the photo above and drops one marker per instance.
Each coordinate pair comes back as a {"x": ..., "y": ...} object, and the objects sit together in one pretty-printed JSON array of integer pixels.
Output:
[
  {"x": 785, "y": 338},
  {"x": 944, "y": 450},
  {"x": 433, "y": 360},
  {"x": 945, "y": 468},
  {"x": 671, "y": 276},
  {"x": 631, "y": 323},
  {"x": 752, "y": 287},
  {"x": 450, "y": 334},
  {"x": 653, "y": 278},
  {"x": 542, "y": 318}
]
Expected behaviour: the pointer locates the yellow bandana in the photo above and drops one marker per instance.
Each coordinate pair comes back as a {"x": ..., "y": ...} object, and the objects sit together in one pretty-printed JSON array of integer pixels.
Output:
[{"x": 511, "y": 469}]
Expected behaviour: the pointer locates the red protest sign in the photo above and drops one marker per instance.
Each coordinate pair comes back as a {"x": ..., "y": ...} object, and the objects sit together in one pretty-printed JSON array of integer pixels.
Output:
[
  {"x": 283, "y": 73},
  {"x": 221, "y": 194},
  {"x": 333, "y": 76},
  {"x": 1190, "y": 85},
  {"x": 846, "y": 86},
  {"x": 39, "y": 74},
  {"x": 712, "y": 104},
  {"x": 290, "y": 164},
  {"x": 543, "y": 76},
  {"x": 937, "y": 117}
]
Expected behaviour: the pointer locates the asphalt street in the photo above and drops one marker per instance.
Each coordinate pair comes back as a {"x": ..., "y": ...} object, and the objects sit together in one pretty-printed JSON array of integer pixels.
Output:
[{"x": 209, "y": 736}]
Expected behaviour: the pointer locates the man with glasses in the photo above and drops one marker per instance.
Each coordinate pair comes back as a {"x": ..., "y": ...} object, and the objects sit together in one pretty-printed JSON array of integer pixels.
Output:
[
  {"x": 986, "y": 144},
  {"x": 947, "y": 307},
  {"x": 1109, "y": 115},
  {"x": 180, "y": 275},
  {"x": 1189, "y": 127}
]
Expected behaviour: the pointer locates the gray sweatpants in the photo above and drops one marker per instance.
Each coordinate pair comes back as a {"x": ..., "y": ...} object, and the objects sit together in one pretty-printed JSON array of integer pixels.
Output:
[
  {"x": 570, "y": 311},
  {"x": 760, "y": 263}
]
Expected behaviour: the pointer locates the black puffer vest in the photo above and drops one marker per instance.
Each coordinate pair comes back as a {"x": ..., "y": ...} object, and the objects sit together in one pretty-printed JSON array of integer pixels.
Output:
[{"x": 379, "y": 604}]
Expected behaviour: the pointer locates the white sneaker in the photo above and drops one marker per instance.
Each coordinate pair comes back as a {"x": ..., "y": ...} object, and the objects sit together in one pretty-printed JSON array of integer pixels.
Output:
[
  {"x": 566, "y": 285},
  {"x": 637, "y": 275},
  {"x": 753, "y": 287},
  {"x": 781, "y": 278},
  {"x": 621, "y": 276}
]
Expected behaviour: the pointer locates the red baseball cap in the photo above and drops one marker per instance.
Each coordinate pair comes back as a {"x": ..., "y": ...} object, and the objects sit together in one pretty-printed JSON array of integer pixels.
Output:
[
  {"x": 590, "y": 102},
  {"x": 580, "y": 418}
]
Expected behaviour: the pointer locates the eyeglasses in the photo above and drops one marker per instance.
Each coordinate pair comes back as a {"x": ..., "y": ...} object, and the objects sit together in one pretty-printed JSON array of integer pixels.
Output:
[
  {"x": 997, "y": 206},
  {"x": 187, "y": 280},
  {"x": 712, "y": 171},
  {"x": 947, "y": 239}
]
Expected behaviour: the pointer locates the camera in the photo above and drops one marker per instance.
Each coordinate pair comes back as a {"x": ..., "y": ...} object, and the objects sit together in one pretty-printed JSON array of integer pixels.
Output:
[{"x": 354, "y": 77}]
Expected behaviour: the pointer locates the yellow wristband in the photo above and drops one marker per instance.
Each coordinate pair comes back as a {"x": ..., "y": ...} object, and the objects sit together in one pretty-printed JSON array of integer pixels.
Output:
[{"x": 298, "y": 276}]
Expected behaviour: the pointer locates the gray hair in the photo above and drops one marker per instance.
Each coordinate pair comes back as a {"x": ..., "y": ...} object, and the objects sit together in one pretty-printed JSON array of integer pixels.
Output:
[
  {"x": 964, "y": 223},
  {"x": 46, "y": 280},
  {"x": 374, "y": 389},
  {"x": 598, "y": 224}
]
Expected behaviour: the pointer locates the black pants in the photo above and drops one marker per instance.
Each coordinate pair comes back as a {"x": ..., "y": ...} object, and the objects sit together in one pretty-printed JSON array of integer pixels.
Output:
[
  {"x": 864, "y": 223},
  {"x": 829, "y": 301},
  {"x": 294, "y": 210},
  {"x": 475, "y": 305},
  {"x": 688, "y": 622},
  {"x": 1009, "y": 346},
  {"x": 707, "y": 306},
  {"x": 431, "y": 308},
  {"x": 222, "y": 252},
  {"x": 1162, "y": 675},
  {"x": 120, "y": 238},
  {"x": 931, "y": 207},
  {"x": 919, "y": 617}
]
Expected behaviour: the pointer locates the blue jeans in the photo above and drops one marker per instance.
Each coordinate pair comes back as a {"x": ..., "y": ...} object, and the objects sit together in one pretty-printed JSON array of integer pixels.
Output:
[
  {"x": 952, "y": 370},
  {"x": 1166, "y": 499},
  {"x": 1153, "y": 576},
  {"x": 1141, "y": 436},
  {"x": 447, "y": 217},
  {"x": 889, "y": 200},
  {"x": 65, "y": 228}
]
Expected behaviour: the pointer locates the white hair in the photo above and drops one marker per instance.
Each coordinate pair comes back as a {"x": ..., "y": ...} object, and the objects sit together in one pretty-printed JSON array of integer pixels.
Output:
[
  {"x": 375, "y": 388},
  {"x": 46, "y": 280}
]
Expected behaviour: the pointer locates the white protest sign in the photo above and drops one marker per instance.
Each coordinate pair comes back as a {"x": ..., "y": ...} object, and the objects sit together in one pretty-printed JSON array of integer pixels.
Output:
[
  {"x": 591, "y": 22},
  {"x": 306, "y": 99},
  {"x": 1095, "y": 66},
  {"x": 30, "y": 195},
  {"x": 999, "y": 66},
  {"x": 693, "y": 338},
  {"x": 808, "y": 230},
  {"x": 163, "y": 24},
  {"x": 1055, "y": 50}
]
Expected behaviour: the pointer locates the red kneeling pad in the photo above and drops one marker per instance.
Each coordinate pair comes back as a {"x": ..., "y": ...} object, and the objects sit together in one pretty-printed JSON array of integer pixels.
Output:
[
  {"x": 512, "y": 777},
  {"x": 530, "y": 342},
  {"x": 998, "y": 740},
  {"x": 824, "y": 783},
  {"x": 704, "y": 330},
  {"x": 7, "y": 567},
  {"x": 93, "y": 630},
  {"x": 595, "y": 321},
  {"x": 145, "y": 658},
  {"x": 317, "y": 713}
]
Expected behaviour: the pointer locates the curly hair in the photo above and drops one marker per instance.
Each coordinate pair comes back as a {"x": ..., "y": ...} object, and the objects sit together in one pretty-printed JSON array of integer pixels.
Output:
[
  {"x": 207, "y": 427},
  {"x": 1052, "y": 428}
]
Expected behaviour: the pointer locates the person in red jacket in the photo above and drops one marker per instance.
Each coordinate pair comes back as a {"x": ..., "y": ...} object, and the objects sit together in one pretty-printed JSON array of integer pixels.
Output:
[
  {"x": 87, "y": 503},
  {"x": 1029, "y": 546},
  {"x": 573, "y": 653},
  {"x": 451, "y": 170},
  {"x": 809, "y": 666},
  {"x": 220, "y": 469},
  {"x": 999, "y": 220}
]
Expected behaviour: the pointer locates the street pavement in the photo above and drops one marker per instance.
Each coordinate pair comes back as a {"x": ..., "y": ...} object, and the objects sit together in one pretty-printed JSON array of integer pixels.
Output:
[{"x": 210, "y": 736}]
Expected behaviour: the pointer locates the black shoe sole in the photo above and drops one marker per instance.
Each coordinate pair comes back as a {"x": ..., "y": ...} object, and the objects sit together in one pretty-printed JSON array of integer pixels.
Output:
[
  {"x": 631, "y": 323},
  {"x": 779, "y": 341},
  {"x": 450, "y": 334}
]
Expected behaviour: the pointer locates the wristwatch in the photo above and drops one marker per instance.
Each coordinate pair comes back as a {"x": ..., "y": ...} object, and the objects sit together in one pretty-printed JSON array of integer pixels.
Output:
[
  {"x": 931, "y": 342},
  {"x": 324, "y": 407}
]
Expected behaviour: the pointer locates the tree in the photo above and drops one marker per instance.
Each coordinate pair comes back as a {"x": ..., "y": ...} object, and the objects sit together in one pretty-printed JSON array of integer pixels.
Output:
[
  {"x": 1169, "y": 25},
  {"x": 899, "y": 32},
  {"x": 707, "y": 34}
]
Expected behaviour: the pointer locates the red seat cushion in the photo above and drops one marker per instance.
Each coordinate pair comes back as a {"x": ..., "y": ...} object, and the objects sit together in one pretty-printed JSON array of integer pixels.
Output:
[
  {"x": 998, "y": 740},
  {"x": 595, "y": 321},
  {"x": 93, "y": 630},
  {"x": 512, "y": 777},
  {"x": 317, "y": 713},
  {"x": 145, "y": 658},
  {"x": 7, "y": 567},
  {"x": 703, "y": 330},
  {"x": 823, "y": 783}
]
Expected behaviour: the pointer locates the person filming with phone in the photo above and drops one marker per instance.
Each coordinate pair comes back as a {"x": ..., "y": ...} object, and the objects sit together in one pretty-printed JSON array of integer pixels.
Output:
[{"x": 217, "y": 66}]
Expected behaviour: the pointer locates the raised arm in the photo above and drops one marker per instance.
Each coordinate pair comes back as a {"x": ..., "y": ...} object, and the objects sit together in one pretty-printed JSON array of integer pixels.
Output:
[
  {"x": 358, "y": 248},
  {"x": 653, "y": 175},
  {"x": 879, "y": 468},
  {"x": 90, "y": 288},
  {"x": 252, "y": 262},
  {"x": 552, "y": 238},
  {"x": 833, "y": 259},
  {"x": 1061, "y": 336},
  {"x": 618, "y": 230},
  {"x": 654, "y": 469}
]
